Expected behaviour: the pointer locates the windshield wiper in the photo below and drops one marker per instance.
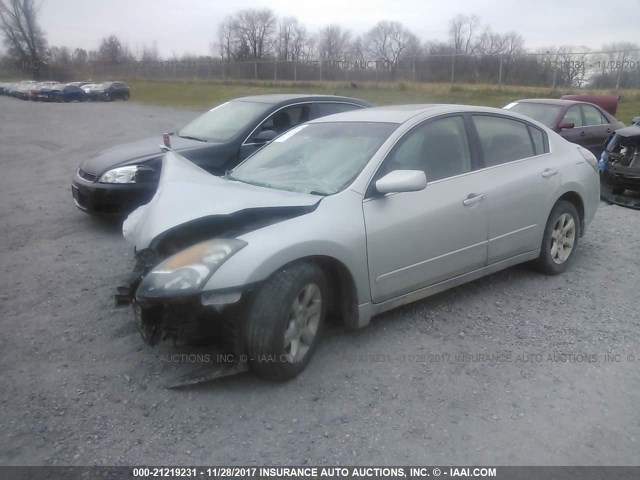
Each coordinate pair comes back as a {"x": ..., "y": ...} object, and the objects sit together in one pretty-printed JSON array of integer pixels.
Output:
[{"x": 189, "y": 137}]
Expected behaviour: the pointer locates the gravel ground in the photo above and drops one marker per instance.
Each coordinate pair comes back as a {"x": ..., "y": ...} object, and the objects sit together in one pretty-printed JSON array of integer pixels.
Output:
[{"x": 508, "y": 370}]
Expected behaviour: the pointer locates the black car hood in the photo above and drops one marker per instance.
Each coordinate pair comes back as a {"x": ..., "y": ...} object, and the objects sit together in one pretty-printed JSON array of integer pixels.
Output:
[{"x": 135, "y": 152}]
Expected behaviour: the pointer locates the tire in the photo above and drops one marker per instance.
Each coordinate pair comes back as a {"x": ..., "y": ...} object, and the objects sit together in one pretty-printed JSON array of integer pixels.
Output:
[
  {"x": 560, "y": 239},
  {"x": 617, "y": 190},
  {"x": 125, "y": 97},
  {"x": 106, "y": 97},
  {"x": 59, "y": 99},
  {"x": 273, "y": 316}
]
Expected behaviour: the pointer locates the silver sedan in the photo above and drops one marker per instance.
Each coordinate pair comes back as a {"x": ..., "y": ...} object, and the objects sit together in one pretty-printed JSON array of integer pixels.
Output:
[{"x": 352, "y": 215}]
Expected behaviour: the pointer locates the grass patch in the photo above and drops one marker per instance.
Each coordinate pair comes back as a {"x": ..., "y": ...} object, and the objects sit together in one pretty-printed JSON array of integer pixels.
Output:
[{"x": 198, "y": 95}]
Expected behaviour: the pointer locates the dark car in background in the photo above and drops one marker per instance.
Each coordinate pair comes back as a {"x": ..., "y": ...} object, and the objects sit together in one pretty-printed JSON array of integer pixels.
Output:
[
  {"x": 66, "y": 93},
  {"x": 123, "y": 177},
  {"x": 620, "y": 161},
  {"x": 109, "y": 91},
  {"x": 585, "y": 124}
]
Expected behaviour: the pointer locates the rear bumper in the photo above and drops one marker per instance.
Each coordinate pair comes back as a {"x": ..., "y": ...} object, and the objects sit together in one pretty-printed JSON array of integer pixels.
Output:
[
  {"x": 618, "y": 176},
  {"x": 109, "y": 199}
]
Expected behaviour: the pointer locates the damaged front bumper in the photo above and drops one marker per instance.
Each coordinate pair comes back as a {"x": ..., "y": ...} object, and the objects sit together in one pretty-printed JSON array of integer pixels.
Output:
[{"x": 215, "y": 316}]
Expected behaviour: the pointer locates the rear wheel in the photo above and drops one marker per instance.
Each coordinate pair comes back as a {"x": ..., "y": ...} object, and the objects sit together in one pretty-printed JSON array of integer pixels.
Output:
[
  {"x": 285, "y": 321},
  {"x": 560, "y": 238}
]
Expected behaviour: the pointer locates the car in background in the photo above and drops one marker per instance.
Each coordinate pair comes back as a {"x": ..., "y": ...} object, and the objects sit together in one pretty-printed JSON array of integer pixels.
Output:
[
  {"x": 581, "y": 123},
  {"x": 620, "y": 161},
  {"x": 109, "y": 91},
  {"x": 351, "y": 215},
  {"x": 23, "y": 89},
  {"x": 89, "y": 87},
  {"x": 65, "y": 93},
  {"x": 80, "y": 84},
  {"x": 4, "y": 88},
  {"x": 36, "y": 92},
  {"x": 123, "y": 177}
]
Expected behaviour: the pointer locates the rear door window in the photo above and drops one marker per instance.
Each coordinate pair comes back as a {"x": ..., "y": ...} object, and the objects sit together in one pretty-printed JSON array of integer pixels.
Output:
[
  {"x": 503, "y": 140},
  {"x": 329, "y": 108}
]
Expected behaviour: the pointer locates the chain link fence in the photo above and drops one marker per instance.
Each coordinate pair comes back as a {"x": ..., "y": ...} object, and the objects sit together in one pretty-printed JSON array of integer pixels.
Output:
[{"x": 550, "y": 69}]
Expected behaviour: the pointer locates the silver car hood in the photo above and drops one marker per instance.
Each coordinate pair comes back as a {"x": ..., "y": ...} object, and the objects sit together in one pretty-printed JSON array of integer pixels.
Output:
[{"x": 186, "y": 192}]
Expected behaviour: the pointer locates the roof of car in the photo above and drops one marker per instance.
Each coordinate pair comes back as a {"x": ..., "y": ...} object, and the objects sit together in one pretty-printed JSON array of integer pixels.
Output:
[
  {"x": 402, "y": 113},
  {"x": 285, "y": 97},
  {"x": 549, "y": 101}
]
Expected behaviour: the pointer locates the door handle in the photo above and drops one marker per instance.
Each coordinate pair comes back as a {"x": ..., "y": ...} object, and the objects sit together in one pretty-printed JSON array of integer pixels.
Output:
[
  {"x": 472, "y": 198},
  {"x": 549, "y": 173}
]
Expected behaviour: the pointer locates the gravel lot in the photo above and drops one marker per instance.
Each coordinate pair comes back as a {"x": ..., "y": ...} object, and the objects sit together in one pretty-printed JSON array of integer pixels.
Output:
[{"x": 80, "y": 387}]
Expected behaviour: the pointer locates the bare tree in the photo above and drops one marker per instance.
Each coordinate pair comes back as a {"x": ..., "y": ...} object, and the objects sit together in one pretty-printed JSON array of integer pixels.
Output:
[
  {"x": 333, "y": 43},
  {"x": 388, "y": 41},
  {"x": 112, "y": 50},
  {"x": 463, "y": 34},
  {"x": 293, "y": 39},
  {"x": 255, "y": 30},
  {"x": 23, "y": 37},
  {"x": 227, "y": 39}
]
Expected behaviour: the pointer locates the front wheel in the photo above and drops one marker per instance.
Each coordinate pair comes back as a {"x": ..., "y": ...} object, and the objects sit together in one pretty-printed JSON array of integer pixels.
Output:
[
  {"x": 285, "y": 321},
  {"x": 125, "y": 97},
  {"x": 560, "y": 239}
]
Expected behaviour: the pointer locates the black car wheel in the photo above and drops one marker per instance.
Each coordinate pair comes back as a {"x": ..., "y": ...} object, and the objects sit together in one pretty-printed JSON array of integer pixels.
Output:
[
  {"x": 125, "y": 97},
  {"x": 59, "y": 98},
  {"x": 106, "y": 97},
  {"x": 285, "y": 321}
]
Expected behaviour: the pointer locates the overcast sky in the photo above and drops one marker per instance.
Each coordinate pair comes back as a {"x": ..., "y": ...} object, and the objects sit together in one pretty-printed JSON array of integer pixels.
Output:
[{"x": 189, "y": 26}]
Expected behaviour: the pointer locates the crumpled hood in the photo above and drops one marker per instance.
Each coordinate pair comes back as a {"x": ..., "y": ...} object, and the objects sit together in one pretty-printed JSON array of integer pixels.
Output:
[
  {"x": 132, "y": 152},
  {"x": 186, "y": 192}
]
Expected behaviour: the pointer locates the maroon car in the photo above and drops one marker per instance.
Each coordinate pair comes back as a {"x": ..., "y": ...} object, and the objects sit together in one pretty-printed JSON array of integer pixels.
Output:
[{"x": 578, "y": 122}]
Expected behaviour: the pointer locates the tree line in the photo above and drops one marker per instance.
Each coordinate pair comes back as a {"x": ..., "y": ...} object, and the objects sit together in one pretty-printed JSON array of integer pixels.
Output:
[{"x": 473, "y": 51}]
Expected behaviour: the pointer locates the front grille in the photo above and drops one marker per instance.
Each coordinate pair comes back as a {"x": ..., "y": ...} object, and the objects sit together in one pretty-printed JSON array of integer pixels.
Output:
[{"x": 89, "y": 177}]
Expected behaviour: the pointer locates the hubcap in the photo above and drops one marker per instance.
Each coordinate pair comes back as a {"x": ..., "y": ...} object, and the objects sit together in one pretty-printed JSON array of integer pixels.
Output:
[
  {"x": 562, "y": 238},
  {"x": 304, "y": 319}
]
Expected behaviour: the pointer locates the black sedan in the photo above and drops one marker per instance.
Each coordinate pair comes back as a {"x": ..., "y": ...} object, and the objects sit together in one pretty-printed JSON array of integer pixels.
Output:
[
  {"x": 578, "y": 122},
  {"x": 119, "y": 179},
  {"x": 110, "y": 91}
]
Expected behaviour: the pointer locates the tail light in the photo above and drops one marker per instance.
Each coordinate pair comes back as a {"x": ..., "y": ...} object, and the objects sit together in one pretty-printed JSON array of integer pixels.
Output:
[{"x": 589, "y": 157}]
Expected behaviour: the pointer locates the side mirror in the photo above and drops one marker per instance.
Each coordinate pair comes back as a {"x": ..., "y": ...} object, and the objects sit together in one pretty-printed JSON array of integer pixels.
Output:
[
  {"x": 402, "y": 181},
  {"x": 566, "y": 125},
  {"x": 264, "y": 137}
]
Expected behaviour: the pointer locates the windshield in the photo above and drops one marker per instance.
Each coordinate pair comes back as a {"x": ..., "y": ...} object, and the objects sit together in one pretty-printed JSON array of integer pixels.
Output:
[
  {"x": 223, "y": 122},
  {"x": 543, "y": 113},
  {"x": 319, "y": 158}
]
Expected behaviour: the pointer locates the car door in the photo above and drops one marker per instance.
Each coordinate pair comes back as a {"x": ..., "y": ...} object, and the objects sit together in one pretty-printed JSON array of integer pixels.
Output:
[
  {"x": 576, "y": 134},
  {"x": 597, "y": 129},
  {"x": 521, "y": 178},
  {"x": 417, "y": 239},
  {"x": 278, "y": 122}
]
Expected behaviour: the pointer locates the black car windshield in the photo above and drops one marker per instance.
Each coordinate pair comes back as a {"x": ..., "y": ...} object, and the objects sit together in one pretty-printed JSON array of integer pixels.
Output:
[
  {"x": 544, "y": 113},
  {"x": 223, "y": 122},
  {"x": 318, "y": 158}
]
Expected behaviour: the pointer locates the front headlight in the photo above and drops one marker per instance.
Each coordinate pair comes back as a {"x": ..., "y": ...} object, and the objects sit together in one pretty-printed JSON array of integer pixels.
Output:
[
  {"x": 120, "y": 175},
  {"x": 186, "y": 272}
]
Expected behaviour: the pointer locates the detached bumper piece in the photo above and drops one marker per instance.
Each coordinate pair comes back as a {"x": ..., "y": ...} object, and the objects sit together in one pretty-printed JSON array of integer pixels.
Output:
[{"x": 630, "y": 199}]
